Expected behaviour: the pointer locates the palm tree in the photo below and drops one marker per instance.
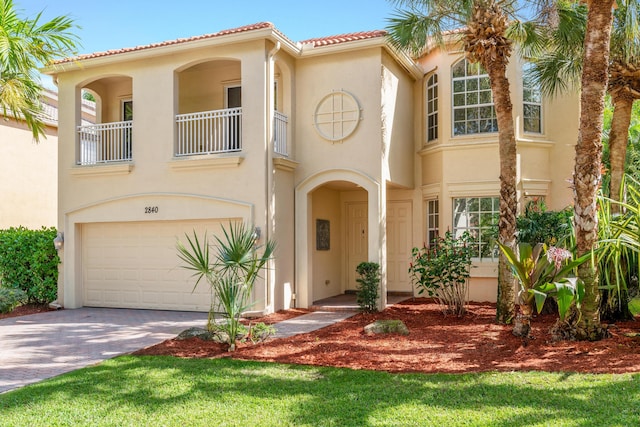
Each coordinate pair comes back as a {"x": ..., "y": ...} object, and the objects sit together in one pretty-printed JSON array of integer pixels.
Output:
[
  {"x": 483, "y": 28},
  {"x": 587, "y": 175},
  {"x": 624, "y": 88},
  {"x": 25, "y": 45},
  {"x": 559, "y": 67}
]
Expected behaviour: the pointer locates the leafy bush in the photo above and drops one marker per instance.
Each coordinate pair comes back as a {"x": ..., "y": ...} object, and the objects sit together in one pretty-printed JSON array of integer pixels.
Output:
[
  {"x": 538, "y": 225},
  {"x": 368, "y": 286},
  {"x": 29, "y": 261},
  {"x": 231, "y": 274},
  {"x": 442, "y": 270},
  {"x": 10, "y": 299}
]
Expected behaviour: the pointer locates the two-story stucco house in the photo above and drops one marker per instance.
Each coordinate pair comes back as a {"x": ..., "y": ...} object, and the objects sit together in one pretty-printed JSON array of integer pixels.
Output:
[{"x": 341, "y": 149}]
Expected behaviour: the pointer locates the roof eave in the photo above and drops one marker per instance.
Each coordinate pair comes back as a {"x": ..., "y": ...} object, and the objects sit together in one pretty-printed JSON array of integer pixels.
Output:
[
  {"x": 378, "y": 42},
  {"x": 151, "y": 52}
]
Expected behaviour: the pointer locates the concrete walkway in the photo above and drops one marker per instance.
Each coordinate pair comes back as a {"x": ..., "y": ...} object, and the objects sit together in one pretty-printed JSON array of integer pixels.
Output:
[
  {"x": 44, "y": 345},
  {"x": 309, "y": 322}
]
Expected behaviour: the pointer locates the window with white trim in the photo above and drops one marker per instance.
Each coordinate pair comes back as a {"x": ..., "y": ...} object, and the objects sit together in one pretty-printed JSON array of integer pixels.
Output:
[
  {"x": 478, "y": 216},
  {"x": 531, "y": 102},
  {"x": 433, "y": 219},
  {"x": 473, "y": 110},
  {"x": 432, "y": 108}
]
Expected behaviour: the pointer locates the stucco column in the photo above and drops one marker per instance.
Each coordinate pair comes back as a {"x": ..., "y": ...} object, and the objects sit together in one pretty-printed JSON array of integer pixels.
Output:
[{"x": 378, "y": 237}]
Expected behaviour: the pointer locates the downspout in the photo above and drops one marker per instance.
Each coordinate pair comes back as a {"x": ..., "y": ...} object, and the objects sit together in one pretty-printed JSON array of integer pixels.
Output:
[{"x": 269, "y": 166}]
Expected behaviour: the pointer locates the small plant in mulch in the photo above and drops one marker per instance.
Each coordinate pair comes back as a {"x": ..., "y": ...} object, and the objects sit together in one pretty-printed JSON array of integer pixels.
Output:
[
  {"x": 254, "y": 333},
  {"x": 368, "y": 289}
]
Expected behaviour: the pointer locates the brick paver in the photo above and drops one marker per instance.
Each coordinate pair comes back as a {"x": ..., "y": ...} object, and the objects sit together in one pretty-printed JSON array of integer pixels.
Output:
[{"x": 45, "y": 345}]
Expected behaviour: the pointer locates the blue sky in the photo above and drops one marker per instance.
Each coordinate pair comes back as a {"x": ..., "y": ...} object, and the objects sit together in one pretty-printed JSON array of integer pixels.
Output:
[{"x": 117, "y": 23}]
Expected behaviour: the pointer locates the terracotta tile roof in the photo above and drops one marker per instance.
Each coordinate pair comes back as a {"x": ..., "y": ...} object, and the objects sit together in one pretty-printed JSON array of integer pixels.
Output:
[
  {"x": 316, "y": 42},
  {"x": 343, "y": 38},
  {"x": 258, "y": 26}
]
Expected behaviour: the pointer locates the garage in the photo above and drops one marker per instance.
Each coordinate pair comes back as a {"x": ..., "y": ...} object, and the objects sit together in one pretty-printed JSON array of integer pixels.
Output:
[{"x": 135, "y": 265}]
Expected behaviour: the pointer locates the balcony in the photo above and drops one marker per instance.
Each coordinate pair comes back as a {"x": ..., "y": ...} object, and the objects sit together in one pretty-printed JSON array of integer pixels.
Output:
[
  {"x": 105, "y": 143},
  {"x": 220, "y": 131},
  {"x": 209, "y": 132},
  {"x": 280, "y": 133}
]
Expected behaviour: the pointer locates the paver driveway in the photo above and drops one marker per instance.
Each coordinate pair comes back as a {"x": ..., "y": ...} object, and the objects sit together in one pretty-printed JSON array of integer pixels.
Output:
[{"x": 44, "y": 345}]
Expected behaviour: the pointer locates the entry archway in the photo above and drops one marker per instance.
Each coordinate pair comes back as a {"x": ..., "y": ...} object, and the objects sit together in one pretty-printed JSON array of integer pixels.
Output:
[{"x": 347, "y": 192}]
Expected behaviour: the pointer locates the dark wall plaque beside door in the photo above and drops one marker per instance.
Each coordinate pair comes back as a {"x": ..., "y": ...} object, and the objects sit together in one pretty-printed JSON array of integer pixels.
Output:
[{"x": 323, "y": 236}]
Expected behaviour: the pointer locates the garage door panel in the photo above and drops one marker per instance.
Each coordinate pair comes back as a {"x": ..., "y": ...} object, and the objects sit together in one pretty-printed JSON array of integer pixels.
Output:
[{"x": 135, "y": 265}]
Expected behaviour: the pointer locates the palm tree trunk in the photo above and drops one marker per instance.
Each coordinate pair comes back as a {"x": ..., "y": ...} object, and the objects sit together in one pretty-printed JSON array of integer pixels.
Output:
[
  {"x": 587, "y": 174},
  {"x": 508, "y": 196},
  {"x": 618, "y": 138}
]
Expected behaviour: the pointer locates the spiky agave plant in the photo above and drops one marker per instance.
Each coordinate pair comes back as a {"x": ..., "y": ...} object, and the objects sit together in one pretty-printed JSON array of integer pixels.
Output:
[{"x": 231, "y": 272}]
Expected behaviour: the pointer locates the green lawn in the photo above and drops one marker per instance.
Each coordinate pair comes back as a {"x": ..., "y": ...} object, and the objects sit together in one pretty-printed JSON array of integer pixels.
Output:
[{"x": 166, "y": 391}]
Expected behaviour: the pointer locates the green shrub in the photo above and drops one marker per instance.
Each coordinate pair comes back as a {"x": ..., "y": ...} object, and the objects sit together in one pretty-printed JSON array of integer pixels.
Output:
[
  {"x": 368, "y": 286},
  {"x": 442, "y": 269},
  {"x": 29, "y": 261},
  {"x": 538, "y": 225},
  {"x": 10, "y": 299}
]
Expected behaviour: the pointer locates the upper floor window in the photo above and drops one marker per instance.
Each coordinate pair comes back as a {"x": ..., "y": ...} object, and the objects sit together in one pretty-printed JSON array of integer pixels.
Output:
[
  {"x": 432, "y": 108},
  {"x": 473, "y": 110},
  {"x": 531, "y": 102}
]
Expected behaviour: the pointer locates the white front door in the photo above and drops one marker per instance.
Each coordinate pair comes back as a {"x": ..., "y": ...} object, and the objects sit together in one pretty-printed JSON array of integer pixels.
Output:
[
  {"x": 399, "y": 232},
  {"x": 357, "y": 240}
]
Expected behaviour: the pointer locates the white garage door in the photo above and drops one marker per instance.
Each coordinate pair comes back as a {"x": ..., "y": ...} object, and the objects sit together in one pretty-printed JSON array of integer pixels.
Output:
[{"x": 135, "y": 265}]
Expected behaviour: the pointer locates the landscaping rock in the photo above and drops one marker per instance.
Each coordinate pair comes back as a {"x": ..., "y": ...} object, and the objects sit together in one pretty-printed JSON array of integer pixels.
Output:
[
  {"x": 201, "y": 333},
  {"x": 386, "y": 327}
]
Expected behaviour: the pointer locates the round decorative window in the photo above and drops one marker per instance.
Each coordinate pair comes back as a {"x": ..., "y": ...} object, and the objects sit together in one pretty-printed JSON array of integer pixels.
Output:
[{"x": 337, "y": 115}]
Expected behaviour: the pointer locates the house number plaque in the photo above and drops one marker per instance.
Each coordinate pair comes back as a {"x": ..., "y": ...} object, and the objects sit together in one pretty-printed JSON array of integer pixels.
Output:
[{"x": 151, "y": 209}]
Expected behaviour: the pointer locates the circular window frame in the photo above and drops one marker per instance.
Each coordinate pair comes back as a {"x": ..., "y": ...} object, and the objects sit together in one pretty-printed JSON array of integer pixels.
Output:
[{"x": 337, "y": 118}]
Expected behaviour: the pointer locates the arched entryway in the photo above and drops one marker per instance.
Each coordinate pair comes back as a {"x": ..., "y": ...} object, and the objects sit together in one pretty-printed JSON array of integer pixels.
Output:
[{"x": 339, "y": 223}]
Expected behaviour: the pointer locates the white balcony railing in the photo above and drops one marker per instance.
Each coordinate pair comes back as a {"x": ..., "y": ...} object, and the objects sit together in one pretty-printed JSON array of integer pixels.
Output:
[
  {"x": 105, "y": 143},
  {"x": 209, "y": 132},
  {"x": 280, "y": 133}
]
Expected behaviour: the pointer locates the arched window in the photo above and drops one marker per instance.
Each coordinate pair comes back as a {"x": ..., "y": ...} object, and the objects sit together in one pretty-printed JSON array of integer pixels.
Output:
[
  {"x": 432, "y": 108},
  {"x": 473, "y": 110}
]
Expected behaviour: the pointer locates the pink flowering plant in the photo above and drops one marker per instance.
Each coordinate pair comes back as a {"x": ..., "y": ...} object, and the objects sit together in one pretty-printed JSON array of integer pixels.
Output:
[{"x": 545, "y": 271}]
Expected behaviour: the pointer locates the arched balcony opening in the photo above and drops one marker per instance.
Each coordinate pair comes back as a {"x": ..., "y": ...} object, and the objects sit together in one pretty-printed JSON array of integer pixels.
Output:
[
  {"x": 110, "y": 138},
  {"x": 209, "y": 108}
]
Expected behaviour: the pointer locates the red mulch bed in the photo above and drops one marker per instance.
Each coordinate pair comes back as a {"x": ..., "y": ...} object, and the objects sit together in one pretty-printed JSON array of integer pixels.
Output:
[
  {"x": 473, "y": 343},
  {"x": 23, "y": 310}
]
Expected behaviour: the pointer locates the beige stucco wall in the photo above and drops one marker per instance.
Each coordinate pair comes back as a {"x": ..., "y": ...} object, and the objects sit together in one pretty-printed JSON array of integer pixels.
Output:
[
  {"x": 283, "y": 233},
  {"x": 28, "y": 177},
  {"x": 327, "y": 264},
  {"x": 155, "y": 177},
  {"x": 317, "y": 77},
  {"x": 202, "y": 86},
  {"x": 397, "y": 124},
  {"x": 468, "y": 166}
]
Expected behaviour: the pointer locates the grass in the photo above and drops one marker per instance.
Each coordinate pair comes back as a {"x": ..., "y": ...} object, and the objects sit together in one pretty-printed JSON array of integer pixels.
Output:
[
  {"x": 166, "y": 391},
  {"x": 634, "y": 306}
]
